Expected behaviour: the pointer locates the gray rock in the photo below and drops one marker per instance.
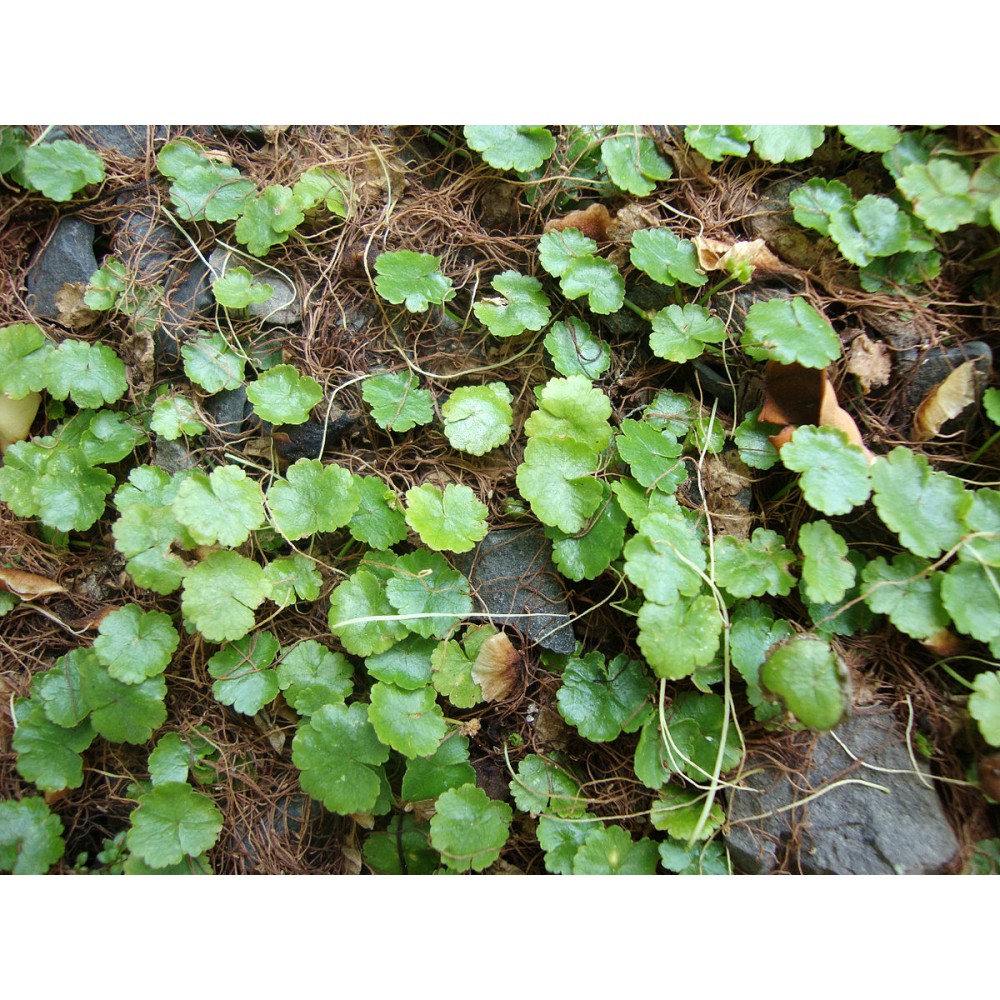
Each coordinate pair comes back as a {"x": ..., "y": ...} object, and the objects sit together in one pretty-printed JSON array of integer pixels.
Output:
[
  {"x": 852, "y": 829},
  {"x": 67, "y": 258},
  {"x": 924, "y": 372},
  {"x": 772, "y": 221},
  {"x": 228, "y": 410},
  {"x": 511, "y": 573},
  {"x": 129, "y": 140},
  {"x": 282, "y": 308}
]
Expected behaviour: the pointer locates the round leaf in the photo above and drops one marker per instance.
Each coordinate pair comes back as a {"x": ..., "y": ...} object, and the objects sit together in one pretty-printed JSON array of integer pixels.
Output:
[
  {"x": 173, "y": 822},
  {"x": 469, "y": 829},
  {"x": 810, "y": 679}
]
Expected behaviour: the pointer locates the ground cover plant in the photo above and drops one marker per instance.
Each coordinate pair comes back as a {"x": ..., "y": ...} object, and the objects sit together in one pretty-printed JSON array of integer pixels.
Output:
[{"x": 731, "y": 382}]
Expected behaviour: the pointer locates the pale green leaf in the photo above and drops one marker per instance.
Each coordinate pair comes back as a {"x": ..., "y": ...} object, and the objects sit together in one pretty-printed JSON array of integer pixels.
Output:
[
  {"x": 545, "y": 785},
  {"x": 810, "y": 679},
  {"x": 238, "y": 289},
  {"x": 221, "y": 594},
  {"x": 30, "y": 837},
  {"x": 24, "y": 351},
  {"x": 835, "y": 476},
  {"x": 135, "y": 644},
  {"x": 677, "y": 638},
  {"x": 88, "y": 374},
  {"x": 311, "y": 676},
  {"x": 576, "y": 350},
  {"x": 59, "y": 169},
  {"x": 291, "y": 579},
  {"x": 423, "y": 585},
  {"x": 313, "y": 497},
  {"x": 874, "y": 227},
  {"x": 412, "y": 279},
  {"x": 633, "y": 162},
  {"x": 971, "y": 595},
  {"x": 378, "y": 521},
  {"x": 908, "y": 592},
  {"x": 267, "y": 219},
  {"x": 940, "y": 193},
  {"x": 522, "y": 305},
  {"x": 323, "y": 186},
  {"x": 715, "y": 142},
  {"x": 785, "y": 143},
  {"x": 753, "y": 440},
  {"x": 814, "y": 202},
  {"x": 282, "y": 396},
  {"x": 202, "y": 188},
  {"x": 754, "y": 566},
  {"x": 557, "y": 479},
  {"x": 478, "y": 418},
  {"x": 666, "y": 257},
  {"x": 666, "y": 558},
  {"x": 410, "y": 722},
  {"x": 586, "y": 555},
  {"x": 222, "y": 507},
  {"x": 174, "y": 417},
  {"x": 211, "y": 363},
  {"x": 469, "y": 829},
  {"x": 984, "y": 705},
  {"x": 451, "y": 519},
  {"x": 827, "y": 574},
  {"x": 511, "y": 147},
  {"x": 870, "y": 138},
  {"x": 397, "y": 401},
  {"x": 57, "y": 690},
  {"x": 173, "y": 821},
  {"x": 244, "y": 677},
  {"x": 681, "y": 333},
  {"x": 357, "y": 607}
]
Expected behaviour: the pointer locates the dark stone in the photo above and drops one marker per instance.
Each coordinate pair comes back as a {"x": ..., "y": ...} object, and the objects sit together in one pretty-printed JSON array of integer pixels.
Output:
[
  {"x": 511, "y": 573},
  {"x": 129, "y": 140},
  {"x": 772, "y": 221},
  {"x": 187, "y": 294},
  {"x": 228, "y": 410},
  {"x": 67, "y": 258},
  {"x": 852, "y": 829},
  {"x": 311, "y": 439},
  {"x": 146, "y": 246}
]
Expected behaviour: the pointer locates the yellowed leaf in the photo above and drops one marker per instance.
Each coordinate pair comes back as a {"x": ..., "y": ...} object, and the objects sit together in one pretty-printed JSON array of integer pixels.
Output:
[
  {"x": 495, "y": 668},
  {"x": 73, "y": 313},
  {"x": 720, "y": 255},
  {"x": 869, "y": 360},
  {"x": 16, "y": 418},
  {"x": 945, "y": 402},
  {"x": 28, "y": 585}
]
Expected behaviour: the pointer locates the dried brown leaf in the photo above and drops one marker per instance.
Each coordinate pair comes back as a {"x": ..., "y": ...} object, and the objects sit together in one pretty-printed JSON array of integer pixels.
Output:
[
  {"x": 717, "y": 255},
  {"x": 495, "y": 668},
  {"x": 592, "y": 221},
  {"x": 869, "y": 360},
  {"x": 28, "y": 586},
  {"x": 73, "y": 313},
  {"x": 944, "y": 643},
  {"x": 945, "y": 402}
]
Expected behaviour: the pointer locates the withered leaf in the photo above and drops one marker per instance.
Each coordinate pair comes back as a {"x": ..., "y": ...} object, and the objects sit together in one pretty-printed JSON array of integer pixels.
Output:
[
  {"x": 495, "y": 667},
  {"x": 28, "y": 585},
  {"x": 869, "y": 360},
  {"x": 945, "y": 402},
  {"x": 592, "y": 221},
  {"x": 70, "y": 306},
  {"x": 720, "y": 255},
  {"x": 16, "y": 418}
]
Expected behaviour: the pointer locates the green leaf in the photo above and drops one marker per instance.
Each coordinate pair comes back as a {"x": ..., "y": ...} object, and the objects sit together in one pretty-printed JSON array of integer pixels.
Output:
[
  {"x": 267, "y": 219},
  {"x": 60, "y": 169},
  {"x": 715, "y": 142},
  {"x": 908, "y": 592},
  {"x": 448, "y": 767},
  {"x": 545, "y": 786},
  {"x": 24, "y": 351},
  {"x": 983, "y": 520},
  {"x": 451, "y": 519},
  {"x": 109, "y": 437},
  {"x": 940, "y": 193},
  {"x": 666, "y": 558},
  {"x": 602, "y": 699},
  {"x": 560, "y": 839},
  {"x": 850, "y": 618},
  {"x": 282, "y": 396},
  {"x": 571, "y": 409},
  {"x": 984, "y": 705},
  {"x": 424, "y": 584},
  {"x": 827, "y": 573},
  {"x": 874, "y": 227},
  {"x": 678, "y": 812},
  {"x": 903, "y": 270},
  {"x": 211, "y": 363},
  {"x": 311, "y": 676},
  {"x": 569, "y": 255},
  {"x": 557, "y": 479},
  {"x": 477, "y": 418},
  {"x": 677, "y": 638},
  {"x": 170, "y": 760},
  {"x": 670, "y": 412},
  {"x": 221, "y": 594},
  {"x": 511, "y": 147},
  {"x": 681, "y": 333},
  {"x": 49, "y": 754},
  {"x": 451, "y": 673},
  {"x": 313, "y": 498},
  {"x": 522, "y": 305},
  {"x": 238, "y": 289},
  {"x": 412, "y": 279},
  {"x": 752, "y": 633},
  {"x": 134, "y": 865},
  {"x": 407, "y": 664},
  {"x": 57, "y": 690},
  {"x": 789, "y": 331},
  {"x": 753, "y": 440},
  {"x": 576, "y": 350},
  {"x": 632, "y": 161},
  {"x": 755, "y": 566},
  {"x": 835, "y": 474},
  {"x": 13, "y": 143},
  {"x": 56, "y": 484},
  {"x": 378, "y": 521},
  {"x": 694, "y": 725},
  {"x": 611, "y": 851},
  {"x": 173, "y": 822},
  {"x": 174, "y": 417},
  {"x": 991, "y": 404},
  {"x": 410, "y": 722},
  {"x": 811, "y": 680},
  {"x": 135, "y": 644},
  {"x": 402, "y": 849},
  {"x": 925, "y": 508},
  {"x": 244, "y": 676},
  {"x": 870, "y": 138},
  {"x": 971, "y": 595},
  {"x": 586, "y": 555},
  {"x": 203, "y": 188},
  {"x": 339, "y": 755},
  {"x": 353, "y": 605},
  {"x": 637, "y": 503},
  {"x": 397, "y": 401},
  {"x": 986, "y": 859},
  {"x": 558, "y": 250},
  {"x": 30, "y": 837},
  {"x": 469, "y": 829},
  {"x": 89, "y": 374},
  {"x": 699, "y": 859},
  {"x": 816, "y": 201},
  {"x": 665, "y": 257},
  {"x": 291, "y": 579},
  {"x": 323, "y": 186},
  {"x": 785, "y": 143},
  {"x": 122, "y": 713},
  {"x": 223, "y": 507}
]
